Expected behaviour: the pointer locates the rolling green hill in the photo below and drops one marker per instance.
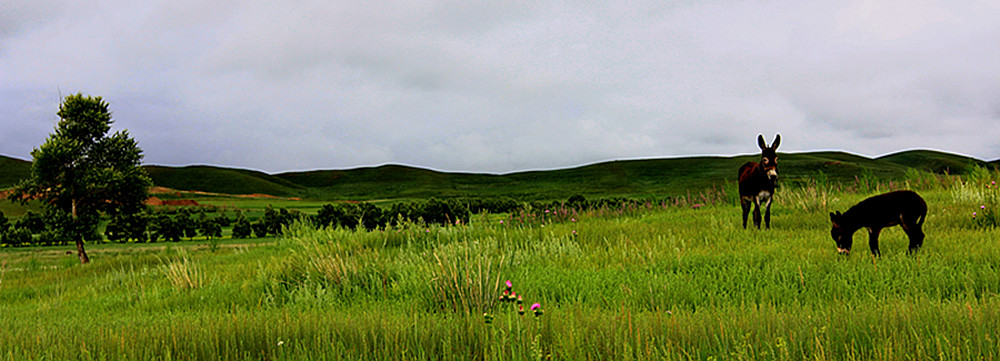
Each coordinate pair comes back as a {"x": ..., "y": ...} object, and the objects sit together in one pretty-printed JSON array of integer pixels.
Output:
[
  {"x": 12, "y": 171},
  {"x": 665, "y": 176},
  {"x": 221, "y": 180},
  {"x": 933, "y": 161},
  {"x": 641, "y": 177}
]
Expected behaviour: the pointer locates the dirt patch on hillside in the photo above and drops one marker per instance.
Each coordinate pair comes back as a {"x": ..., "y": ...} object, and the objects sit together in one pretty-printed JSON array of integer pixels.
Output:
[
  {"x": 165, "y": 190},
  {"x": 156, "y": 201},
  {"x": 255, "y": 195}
]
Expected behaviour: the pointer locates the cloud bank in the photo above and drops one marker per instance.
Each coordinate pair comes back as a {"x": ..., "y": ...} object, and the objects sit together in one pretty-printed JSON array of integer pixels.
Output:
[{"x": 496, "y": 87}]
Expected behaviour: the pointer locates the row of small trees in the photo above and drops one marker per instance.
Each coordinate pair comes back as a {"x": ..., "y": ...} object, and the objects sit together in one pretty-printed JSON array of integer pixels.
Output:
[
  {"x": 152, "y": 226},
  {"x": 51, "y": 228},
  {"x": 155, "y": 225}
]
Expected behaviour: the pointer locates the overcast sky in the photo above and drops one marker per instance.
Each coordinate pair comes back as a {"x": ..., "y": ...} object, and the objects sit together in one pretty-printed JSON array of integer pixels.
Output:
[{"x": 501, "y": 86}]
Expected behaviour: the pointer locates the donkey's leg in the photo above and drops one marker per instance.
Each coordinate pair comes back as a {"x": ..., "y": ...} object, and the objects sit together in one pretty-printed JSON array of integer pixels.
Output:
[
  {"x": 756, "y": 213},
  {"x": 745, "y": 203},
  {"x": 767, "y": 213},
  {"x": 873, "y": 241}
]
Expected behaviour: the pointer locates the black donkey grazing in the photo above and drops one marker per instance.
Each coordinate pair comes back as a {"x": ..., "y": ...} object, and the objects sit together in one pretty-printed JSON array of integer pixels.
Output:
[
  {"x": 904, "y": 208},
  {"x": 757, "y": 182}
]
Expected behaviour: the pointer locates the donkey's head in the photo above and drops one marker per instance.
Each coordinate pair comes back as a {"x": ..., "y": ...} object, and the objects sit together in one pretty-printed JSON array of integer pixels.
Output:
[
  {"x": 841, "y": 235},
  {"x": 768, "y": 156}
]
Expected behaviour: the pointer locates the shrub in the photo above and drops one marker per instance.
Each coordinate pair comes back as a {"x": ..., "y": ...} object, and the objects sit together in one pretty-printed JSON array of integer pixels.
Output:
[
  {"x": 127, "y": 227},
  {"x": 242, "y": 228},
  {"x": 31, "y": 221},
  {"x": 16, "y": 236},
  {"x": 165, "y": 227}
]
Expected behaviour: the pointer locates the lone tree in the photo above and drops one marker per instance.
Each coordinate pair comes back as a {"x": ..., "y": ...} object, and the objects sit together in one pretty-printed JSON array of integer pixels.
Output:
[{"x": 82, "y": 172}]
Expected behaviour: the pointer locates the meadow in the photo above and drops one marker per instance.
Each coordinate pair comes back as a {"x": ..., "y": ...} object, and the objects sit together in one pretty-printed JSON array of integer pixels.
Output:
[{"x": 650, "y": 282}]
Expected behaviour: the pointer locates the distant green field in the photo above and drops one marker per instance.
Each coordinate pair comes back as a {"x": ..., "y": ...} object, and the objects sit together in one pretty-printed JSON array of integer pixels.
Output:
[{"x": 651, "y": 283}]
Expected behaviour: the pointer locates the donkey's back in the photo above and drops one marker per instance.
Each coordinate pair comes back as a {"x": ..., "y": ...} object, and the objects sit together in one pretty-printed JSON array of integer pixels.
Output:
[{"x": 891, "y": 208}]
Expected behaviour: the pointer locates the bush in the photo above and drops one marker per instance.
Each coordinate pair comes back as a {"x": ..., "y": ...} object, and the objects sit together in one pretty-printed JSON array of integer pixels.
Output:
[
  {"x": 16, "y": 236},
  {"x": 259, "y": 228},
  {"x": 187, "y": 226},
  {"x": 127, "y": 227},
  {"x": 242, "y": 229},
  {"x": 165, "y": 227},
  {"x": 31, "y": 221},
  {"x": 210, "y": 227}
]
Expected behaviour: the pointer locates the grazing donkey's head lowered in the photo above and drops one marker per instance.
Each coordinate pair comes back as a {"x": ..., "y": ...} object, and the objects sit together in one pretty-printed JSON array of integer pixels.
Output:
[{"x": 757, "y": 182}]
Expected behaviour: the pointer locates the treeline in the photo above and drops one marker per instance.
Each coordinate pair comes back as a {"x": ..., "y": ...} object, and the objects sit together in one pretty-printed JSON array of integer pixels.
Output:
[{"x": 174, "y": 224}]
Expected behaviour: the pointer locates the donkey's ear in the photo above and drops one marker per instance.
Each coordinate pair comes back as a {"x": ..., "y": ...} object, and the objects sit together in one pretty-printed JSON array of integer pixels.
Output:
[
  {"x": 760, "y": 142},
  {"x": 777, "y": 140},
  {"x": 835, "y": 218}
]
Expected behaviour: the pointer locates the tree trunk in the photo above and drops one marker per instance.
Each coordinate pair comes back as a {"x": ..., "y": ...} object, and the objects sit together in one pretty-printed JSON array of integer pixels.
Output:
[{"x": 80, "y": 252}]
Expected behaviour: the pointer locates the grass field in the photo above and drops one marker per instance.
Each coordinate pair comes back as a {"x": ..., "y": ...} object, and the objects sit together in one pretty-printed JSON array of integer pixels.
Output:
[{"x": 647, "y": 283}]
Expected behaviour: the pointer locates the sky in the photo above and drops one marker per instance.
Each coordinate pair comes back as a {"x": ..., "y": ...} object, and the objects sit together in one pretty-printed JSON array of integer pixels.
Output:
[{"x": 504, "y": 86}]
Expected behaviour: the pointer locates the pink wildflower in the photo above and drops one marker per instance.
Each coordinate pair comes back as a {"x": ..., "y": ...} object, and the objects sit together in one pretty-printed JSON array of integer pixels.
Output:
[
  {"x": 509, "y": 284},
  {"x": 537, "y": 309},
  {"x": 982, "y": 207}
]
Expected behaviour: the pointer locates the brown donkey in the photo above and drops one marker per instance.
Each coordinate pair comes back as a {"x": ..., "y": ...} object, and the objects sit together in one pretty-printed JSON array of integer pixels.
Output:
[
  {"x": 904, "y": 208},
  {"x": 757, "y": 182}
]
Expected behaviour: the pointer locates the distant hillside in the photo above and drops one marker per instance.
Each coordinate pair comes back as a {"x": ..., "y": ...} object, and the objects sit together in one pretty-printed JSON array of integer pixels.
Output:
[
  {"x": 12, "y": 171},
  {"x": 656, "y": 177},
  {"x": 665, "y": 176},
  {"x": 221, "y": 180},
  {"x": 933, "y": 161}
]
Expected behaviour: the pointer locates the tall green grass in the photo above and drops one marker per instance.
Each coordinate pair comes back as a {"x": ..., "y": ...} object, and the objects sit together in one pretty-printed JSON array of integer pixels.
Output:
[{"x": 664, "y": 281}]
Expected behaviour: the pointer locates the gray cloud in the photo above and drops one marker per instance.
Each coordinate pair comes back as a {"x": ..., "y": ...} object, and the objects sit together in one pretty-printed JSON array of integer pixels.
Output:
[{"x": 495, "y": 87}]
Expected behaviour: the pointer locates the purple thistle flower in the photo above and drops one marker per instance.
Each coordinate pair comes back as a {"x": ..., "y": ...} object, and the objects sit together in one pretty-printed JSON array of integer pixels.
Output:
[
  {"x": 537, "y": 309},
  {"x": 982, "y": 207},
  {"x": 509, "y": 285}
]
